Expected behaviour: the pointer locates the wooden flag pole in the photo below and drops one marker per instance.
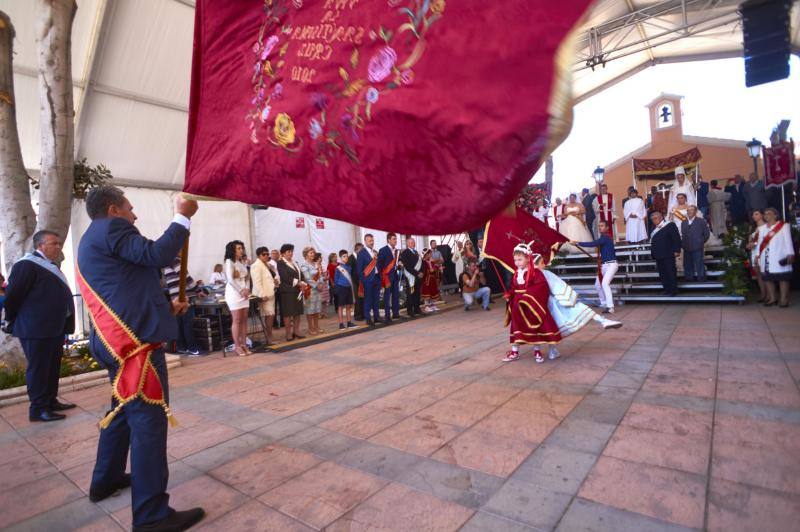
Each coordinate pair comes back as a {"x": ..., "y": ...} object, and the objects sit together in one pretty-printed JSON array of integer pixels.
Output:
[{"x": 184, "y": 269}]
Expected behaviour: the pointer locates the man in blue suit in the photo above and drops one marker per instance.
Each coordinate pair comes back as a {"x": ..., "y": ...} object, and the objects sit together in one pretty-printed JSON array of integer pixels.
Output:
[
  {"x": 367, "y": 264},
  {"x": 390, "y": 279},
  {"x": 122, "y": 268},
  {"x": 40, "y": 312}
]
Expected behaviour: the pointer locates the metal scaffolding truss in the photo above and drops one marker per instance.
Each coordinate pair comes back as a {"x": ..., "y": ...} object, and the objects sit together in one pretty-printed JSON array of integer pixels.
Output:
[{"x": 655, "y": 25}]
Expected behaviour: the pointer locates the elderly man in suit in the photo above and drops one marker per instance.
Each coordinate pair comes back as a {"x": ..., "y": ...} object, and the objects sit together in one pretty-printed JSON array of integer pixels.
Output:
[
  {"x": 366, "y": 264},
  {"x": 755, "y": 195},
  {"x": 694, "y": 233},
  {"x": 118, "y": 272},
  {"x": 412, "y": 266},
  {"x": 665, "y": 246},
  {"x": 40, "y": 312},
  {"x": 388, "y": 258}
]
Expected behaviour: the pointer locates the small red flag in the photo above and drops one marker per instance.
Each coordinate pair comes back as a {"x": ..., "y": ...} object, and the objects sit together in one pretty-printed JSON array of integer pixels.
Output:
[{"x": 511, "y": 227}]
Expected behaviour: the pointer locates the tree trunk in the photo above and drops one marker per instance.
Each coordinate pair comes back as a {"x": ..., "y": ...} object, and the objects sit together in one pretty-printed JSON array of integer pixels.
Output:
[
  {"x": 17, "y": 219},
  {"x": 57, "y": 116}
]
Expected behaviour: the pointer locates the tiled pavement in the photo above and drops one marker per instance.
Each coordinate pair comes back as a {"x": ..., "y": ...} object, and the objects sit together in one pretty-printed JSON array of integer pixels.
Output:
[{"x": 686, "y": 418}]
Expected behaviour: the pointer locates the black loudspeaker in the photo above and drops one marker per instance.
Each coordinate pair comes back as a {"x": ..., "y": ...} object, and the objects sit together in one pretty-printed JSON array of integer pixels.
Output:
[{"x": 767, "y": 45}]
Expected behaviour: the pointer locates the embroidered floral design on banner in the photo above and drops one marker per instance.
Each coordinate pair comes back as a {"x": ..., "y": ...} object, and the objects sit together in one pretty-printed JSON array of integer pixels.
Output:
[{"x": 339, "y": 112}]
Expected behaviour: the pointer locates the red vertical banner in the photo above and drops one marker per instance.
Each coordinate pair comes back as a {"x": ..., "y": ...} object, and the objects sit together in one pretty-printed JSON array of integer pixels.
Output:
[
  {"x": 372, "y": 112},
  {"x": 779, "y": 164}
]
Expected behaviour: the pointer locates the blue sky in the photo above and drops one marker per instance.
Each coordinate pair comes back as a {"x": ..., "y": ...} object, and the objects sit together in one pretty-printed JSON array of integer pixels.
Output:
[{"x": 716, "y": 104}]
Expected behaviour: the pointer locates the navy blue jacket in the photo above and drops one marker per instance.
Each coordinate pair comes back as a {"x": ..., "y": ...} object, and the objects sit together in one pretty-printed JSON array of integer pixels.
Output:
[
  {"x": 385, "y": 257},
  {"x": 606, "y": 246},
  {"x": 123, "y": 267},
  {"x": 38, "y": 303},
  {"x": 666, "y": 242},
  {"x": 363, "y": 259}
]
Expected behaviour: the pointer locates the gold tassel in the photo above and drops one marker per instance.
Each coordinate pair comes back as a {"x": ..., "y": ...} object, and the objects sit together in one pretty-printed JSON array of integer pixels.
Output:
[
  {"x": 172, "y": 420},
  {"x": 106, "y": 421}
]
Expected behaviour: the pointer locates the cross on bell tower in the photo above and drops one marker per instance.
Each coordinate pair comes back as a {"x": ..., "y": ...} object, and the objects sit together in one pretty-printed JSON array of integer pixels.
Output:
[{"x": 665, "y": 115}]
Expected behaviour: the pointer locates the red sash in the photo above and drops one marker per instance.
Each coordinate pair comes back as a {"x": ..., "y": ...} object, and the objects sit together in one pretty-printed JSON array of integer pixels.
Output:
[
  {"x": 768, "y": 237},
  {"x": 367, "y": 271},
  {"x": 385, "y": 281},
  {"x": 605, "y": 212},
  {"x": 136, "y": 376},
  {"x": 556, "y": 214},
  {"x": 370, "y": 267}
]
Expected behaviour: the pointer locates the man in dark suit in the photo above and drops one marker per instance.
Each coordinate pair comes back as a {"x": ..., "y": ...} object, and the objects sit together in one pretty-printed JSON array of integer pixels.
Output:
[
  {"x": 587, "y": 200},
  {"x": 358, "y": 313},
  {"x": 412, "y": 264},
  {"x": 736, "y": 205},
  {"x": 40, "y": 312},
  {"x": 389, "y": 278},
  {"x": 120, "y": 267},
  {"x": 367, "y": 265},
  {"x": 694, "y": 233},
  {"x": 665, "y": 246}
]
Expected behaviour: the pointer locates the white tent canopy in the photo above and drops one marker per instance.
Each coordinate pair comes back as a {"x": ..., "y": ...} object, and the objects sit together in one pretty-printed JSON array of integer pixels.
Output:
[{"x": 131, "y": 64}]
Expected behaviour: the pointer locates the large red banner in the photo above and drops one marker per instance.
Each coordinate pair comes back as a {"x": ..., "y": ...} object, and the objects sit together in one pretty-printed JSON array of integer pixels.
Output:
[
  {"x": 423, "y": 116},
  {"x": 779, "y": 164}
]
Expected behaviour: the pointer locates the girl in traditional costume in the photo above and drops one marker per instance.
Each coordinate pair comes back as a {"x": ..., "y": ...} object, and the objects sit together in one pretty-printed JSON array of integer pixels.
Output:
[
  {"x": 526, "y": 307},
  {"x": 431, "y": 274}
]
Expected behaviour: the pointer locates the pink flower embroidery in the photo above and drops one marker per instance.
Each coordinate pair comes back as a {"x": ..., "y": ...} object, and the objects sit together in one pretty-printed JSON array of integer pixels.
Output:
[
  {"x": 265, "y": 113},
  {"x": 277, "y": 91},
  {"x": 268, "y": 46},
  {"x": 380, "y": 66}
]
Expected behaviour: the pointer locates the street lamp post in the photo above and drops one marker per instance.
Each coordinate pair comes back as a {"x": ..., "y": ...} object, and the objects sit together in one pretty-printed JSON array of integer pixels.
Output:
[
  {"x": 598, "y": 175},
  {"x": 754, "y": 149}
]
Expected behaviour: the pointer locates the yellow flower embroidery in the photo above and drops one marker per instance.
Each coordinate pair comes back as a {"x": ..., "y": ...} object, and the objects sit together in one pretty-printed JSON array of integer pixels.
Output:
[
  {"x": 284, "y": 130},
  {"x": 437, "y": 6}
]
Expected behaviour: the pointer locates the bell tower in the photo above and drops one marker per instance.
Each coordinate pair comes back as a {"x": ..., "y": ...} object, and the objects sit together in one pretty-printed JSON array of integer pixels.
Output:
[{"x": 666, "y": 116}]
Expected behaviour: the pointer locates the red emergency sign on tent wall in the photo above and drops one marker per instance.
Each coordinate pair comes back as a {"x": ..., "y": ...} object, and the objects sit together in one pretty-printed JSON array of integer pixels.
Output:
[
  {"x": 299, "y": 222},
  {"x": 320, "y": 223}
]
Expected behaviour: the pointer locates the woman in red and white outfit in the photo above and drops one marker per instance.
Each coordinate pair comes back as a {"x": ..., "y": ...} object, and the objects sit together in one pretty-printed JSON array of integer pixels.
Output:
[{"x": 775, "y": 258}]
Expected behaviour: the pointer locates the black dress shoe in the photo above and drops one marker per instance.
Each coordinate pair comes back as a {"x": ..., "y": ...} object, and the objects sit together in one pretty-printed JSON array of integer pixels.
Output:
[
  {"x": 47, "y": 415},
  {"x": 370, "y": 323},
  {"x": 97, "y": 494},
  {"x": 174, "y": 522},
  {"x": 58, "y": 406}
]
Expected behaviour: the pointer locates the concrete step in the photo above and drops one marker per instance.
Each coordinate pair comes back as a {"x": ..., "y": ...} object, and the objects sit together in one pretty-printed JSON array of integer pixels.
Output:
[
  {"x": 707, "y": 285},
  {"x": 623, "y": 277},
  {"x": 635, "y": 251},
  {"x": 622, "y": 264},
  {"x": 682, "y": 298}
]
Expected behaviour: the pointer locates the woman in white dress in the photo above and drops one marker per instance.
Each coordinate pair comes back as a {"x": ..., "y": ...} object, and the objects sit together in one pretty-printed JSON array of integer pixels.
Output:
[
  {"x": 775, "y": 258},
  {"x": 237, "y": 294},
  {"x": 572, "y": 224},
  {"x": 752, "y": 246}
]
